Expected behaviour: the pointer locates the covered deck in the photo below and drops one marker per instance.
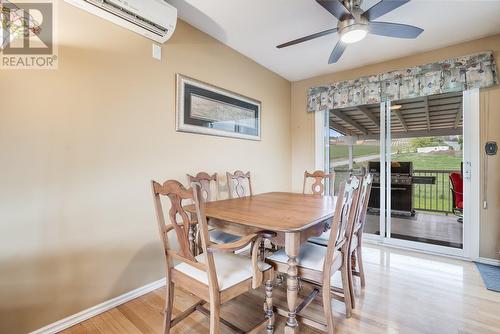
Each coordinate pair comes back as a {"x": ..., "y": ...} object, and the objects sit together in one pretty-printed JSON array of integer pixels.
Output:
[{"x": 433, "y": 116}]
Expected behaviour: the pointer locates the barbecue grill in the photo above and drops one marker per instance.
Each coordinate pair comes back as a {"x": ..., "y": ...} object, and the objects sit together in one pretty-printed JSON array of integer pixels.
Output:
[{"x": 402, "y": 181}]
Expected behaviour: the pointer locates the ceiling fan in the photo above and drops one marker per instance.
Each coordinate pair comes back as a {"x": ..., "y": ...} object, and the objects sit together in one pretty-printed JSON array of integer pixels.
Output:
[{"x": 354, "y": 24}]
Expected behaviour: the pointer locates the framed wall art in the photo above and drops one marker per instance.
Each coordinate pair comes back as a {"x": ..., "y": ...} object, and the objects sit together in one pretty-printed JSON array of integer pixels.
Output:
[{"x": 210, "y": 110}]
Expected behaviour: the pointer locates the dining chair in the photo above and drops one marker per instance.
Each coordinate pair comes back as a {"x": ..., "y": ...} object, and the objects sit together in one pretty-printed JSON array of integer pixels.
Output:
[
  {"x": 236, "y": 184},
  {"x": 206, "y": 180},
  {"x": 211, "y": 193},
  {"x": 356, "y": 247},
  {"x": 215, "y": 276},
  {"x": 318, "y": 264},
  {"x": 236, "y": 188},
  {"x": 319, "y": 179}
]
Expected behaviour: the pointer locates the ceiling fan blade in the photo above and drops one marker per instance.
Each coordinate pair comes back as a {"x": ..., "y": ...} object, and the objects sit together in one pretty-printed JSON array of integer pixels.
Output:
[
  {"x": 307, "y": 38},
  {"x": 337, "y": 52},
  {"x": 394, "y": 30},
  {"x": 383, "y": 7},
  {"x": 336, "y": 8}
]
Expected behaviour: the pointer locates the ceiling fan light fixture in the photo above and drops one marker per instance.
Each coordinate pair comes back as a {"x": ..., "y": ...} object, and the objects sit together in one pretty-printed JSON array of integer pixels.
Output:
[
  {"x": 354, "y": 24},
  {"x": 353, "y": 34}
]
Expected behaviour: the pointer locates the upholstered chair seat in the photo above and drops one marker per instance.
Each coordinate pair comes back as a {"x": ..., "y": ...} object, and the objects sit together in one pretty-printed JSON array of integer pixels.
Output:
[
  {"x": 322, "y": 240},
  {"x": 231, "y": 269},
  {"x": 311, "y": 257},
  {"x": 221, "y": 237}
]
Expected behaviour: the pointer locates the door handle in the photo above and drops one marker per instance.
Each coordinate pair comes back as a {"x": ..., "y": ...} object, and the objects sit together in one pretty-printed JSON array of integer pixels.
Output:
[{"x": 467, "y": 170}]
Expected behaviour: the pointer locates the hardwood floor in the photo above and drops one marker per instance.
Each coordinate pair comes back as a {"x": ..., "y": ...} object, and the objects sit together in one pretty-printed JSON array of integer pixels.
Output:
[{"x": 405, "y": 293}]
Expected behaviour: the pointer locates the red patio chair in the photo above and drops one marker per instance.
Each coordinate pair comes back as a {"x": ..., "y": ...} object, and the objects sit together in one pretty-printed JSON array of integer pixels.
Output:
[{"x": 457, "y": 186}]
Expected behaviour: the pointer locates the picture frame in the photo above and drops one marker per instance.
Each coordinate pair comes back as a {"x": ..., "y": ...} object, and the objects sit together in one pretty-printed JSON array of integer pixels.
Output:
[{"x": 206, "y": 109}]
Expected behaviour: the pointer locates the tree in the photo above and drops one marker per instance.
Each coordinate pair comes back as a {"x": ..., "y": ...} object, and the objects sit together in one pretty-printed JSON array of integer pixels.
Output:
[{"x": 461, "y": 142}]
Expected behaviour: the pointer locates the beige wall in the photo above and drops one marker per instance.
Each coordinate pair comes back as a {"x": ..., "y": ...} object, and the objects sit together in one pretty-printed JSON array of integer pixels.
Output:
[
  {"x": 76, "y": 216},
  {"x": 79, "y": 146},
  {"x": 303, "y": 127}
]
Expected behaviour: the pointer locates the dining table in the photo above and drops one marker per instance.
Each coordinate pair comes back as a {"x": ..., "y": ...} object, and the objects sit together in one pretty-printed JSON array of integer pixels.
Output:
[{"x": 292, "y": 218}]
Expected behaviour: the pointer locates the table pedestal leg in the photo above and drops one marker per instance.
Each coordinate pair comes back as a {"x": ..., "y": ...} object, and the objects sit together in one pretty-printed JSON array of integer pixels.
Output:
[{"x": 292, "y": 247}]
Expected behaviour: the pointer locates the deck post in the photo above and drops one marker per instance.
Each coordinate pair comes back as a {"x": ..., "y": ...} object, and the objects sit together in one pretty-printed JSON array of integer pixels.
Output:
[{"x": 350, "y": 142}]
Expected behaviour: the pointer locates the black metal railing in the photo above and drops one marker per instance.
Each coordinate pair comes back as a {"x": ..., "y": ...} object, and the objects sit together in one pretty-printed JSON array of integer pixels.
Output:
[
  {"x": 433, "y": 197},
  {"x": 426, "y": 197}
]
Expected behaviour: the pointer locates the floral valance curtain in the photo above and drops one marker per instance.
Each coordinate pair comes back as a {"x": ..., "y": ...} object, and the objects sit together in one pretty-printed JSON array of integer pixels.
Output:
[{"x": 452, "y": 75}]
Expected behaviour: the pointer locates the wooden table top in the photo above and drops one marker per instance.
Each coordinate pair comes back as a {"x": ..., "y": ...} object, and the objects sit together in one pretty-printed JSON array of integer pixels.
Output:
[{"x": 274, "y": 211}]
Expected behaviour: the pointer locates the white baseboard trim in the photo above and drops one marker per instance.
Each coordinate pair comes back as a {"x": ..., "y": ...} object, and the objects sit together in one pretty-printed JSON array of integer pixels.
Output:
[
  {"x": 489, "y": 261},
  {"x": 98, "y": 309}
]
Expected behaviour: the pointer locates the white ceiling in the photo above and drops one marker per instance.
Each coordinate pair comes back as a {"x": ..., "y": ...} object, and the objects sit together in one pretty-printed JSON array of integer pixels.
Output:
[{"x": 255, "y": 27}]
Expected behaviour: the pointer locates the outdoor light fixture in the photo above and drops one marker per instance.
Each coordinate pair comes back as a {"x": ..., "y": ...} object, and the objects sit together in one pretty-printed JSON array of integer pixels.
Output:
[
  {"x": 353, "y": 33},
  {"x": 396, "y": 107}
]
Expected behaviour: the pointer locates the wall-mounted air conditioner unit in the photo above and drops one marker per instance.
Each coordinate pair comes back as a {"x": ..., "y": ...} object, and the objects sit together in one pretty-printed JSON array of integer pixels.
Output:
[{"x": 154, "y": 19}]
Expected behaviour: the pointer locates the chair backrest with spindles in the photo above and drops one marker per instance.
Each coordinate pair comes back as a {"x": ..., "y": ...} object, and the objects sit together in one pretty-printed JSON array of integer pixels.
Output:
[
  {"x": 343, "y": 221},
  {"x": 236, "y": 184},
  {"x": 364, "y": 198},
  {"x": 206, "y": 180},
  {"x": 345, "y": 212},
  {"x": 180, "y": 222},
  {"x": 319, "y": 179}
]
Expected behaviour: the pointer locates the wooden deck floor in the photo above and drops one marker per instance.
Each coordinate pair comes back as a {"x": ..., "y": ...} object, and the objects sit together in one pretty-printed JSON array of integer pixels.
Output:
[
  {"x": 425, "y": 225},
  {"x": 406, "y": 293}
]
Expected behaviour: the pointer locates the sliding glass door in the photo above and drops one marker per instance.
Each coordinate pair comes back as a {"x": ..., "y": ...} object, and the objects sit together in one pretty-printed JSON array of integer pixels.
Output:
[
  {"x": 354, "y": 146},
  {"x": 422, "y": 151},
  {"x": 414, "y": 148}
]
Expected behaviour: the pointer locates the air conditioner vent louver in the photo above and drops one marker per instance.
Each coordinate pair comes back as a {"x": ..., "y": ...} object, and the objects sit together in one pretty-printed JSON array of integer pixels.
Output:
[
  {"x": 155, "y": 19},
  {"x": 125, "y": 14}
]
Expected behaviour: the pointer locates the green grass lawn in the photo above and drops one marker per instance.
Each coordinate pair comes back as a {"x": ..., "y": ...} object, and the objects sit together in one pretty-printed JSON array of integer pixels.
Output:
[
  {"x": 339, "y": 152},
  {"x": 440, "y": 161}
]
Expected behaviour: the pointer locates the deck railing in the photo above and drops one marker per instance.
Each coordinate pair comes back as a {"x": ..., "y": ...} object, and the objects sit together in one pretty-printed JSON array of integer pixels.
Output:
[
  {"x": 426, "y": 197},
  {"x": 433, "y": 197}
]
